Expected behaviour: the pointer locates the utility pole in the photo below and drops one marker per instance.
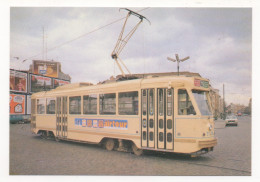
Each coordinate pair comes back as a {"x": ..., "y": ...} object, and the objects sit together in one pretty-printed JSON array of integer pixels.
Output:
[
  {"x": 42, "y": 43},
  {"x": 178, "y": 61},
  {"x": 224, "y": 107}
]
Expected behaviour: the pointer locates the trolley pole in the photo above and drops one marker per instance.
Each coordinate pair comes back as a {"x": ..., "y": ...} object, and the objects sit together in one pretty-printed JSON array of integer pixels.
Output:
[{"x": 178, "y": 61}]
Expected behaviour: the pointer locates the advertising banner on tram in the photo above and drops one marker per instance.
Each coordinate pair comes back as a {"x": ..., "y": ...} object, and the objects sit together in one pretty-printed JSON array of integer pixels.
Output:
[
  {"x": 40, "y": 83},
  {"x": 57, "y": 82},
  {"x": 101, "y": 123},
  {"x": 18, "y": 81},
  {"x": 17, "y": 104},
  {"x": 46, "y": 68}
]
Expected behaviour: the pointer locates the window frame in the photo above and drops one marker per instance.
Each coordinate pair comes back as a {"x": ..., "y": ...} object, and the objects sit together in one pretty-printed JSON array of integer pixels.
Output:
[
  {"x": 132, "y": 103},
  {"x": 115, "y": 103},
  {"x": 83, "y": 105},
  {"x": 51, "y": 98},
  {"x": 208, "y": 102},
  {"x": 191, "y": 100},
  {"x": 44, "y": 101},
  {"x": 79, "y": 105}
]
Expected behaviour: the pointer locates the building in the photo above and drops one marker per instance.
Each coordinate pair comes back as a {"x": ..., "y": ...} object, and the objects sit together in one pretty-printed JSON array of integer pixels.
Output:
[
  {"x": 216, "y": 102},
  {"x": 41, "y": 76},
  {"x": 235, "y": 108}
]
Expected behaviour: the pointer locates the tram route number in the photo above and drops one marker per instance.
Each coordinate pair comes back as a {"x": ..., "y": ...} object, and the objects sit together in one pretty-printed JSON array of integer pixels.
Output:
[{"x": 101, "y": 123}]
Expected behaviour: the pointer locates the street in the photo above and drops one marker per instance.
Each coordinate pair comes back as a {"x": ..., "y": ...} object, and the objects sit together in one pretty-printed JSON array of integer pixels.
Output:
[{"x": 32, "y": 155}]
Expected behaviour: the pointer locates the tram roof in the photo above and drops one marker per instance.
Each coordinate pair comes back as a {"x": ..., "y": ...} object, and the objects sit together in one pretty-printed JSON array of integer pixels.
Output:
[{"x": 149, "y": 82}]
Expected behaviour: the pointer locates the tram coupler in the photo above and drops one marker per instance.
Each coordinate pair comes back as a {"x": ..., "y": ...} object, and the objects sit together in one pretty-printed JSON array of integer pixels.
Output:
[{"x": 201, "y": 152}]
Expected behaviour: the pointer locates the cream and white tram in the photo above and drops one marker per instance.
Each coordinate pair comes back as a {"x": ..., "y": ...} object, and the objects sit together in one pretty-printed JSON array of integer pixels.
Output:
[{"x": 170, "y": 114}]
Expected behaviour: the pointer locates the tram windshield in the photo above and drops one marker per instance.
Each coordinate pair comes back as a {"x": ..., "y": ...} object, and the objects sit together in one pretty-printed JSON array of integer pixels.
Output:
[{"x": 201, "y": 98}]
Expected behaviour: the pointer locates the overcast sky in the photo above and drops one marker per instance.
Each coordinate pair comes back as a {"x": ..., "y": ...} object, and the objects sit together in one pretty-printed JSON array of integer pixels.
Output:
[{"x": 218, "y": 41}]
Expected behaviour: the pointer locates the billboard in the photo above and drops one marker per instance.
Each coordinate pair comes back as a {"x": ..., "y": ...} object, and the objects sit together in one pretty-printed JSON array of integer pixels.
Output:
[
  {"x": 17, "y": 104},
  {"x": 46, "y": 68},
  {"x": 58, "y": 82},
  {"x": 40, "y": 83},
  {"x": 18, "y": 81}
]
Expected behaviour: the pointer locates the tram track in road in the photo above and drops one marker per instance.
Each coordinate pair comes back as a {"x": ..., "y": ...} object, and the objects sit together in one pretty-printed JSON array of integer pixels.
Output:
[
  {"x": 219, "y": 167},
  {"x": 202, "y": 161}
]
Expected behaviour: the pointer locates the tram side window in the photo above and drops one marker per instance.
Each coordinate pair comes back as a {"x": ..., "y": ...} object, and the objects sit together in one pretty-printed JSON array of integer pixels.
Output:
[
  {"x": 40, "y": 106},
  {"x": 160, "y": 100},
  {"x": 151, "y": 102},
  {"x": 90, "y": 104},
  {"x": 75, "y": 105},
  {"x": 50, "y": 106},
  {"x": 169, "y": 102},
  {"x": 144, "y": 104},
  {"x": 185, "y": 106},
  {"x": 107, "y": 104},
  {"x": 128, "y": 103}
]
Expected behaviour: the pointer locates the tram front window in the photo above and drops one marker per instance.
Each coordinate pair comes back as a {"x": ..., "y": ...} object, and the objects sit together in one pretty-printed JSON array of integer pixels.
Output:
[
  {"x": 201, "y": 98},
  {"x": 184, "y": 103}
]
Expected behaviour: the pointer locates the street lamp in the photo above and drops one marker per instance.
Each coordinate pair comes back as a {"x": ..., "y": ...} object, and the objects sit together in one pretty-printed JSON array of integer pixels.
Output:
[{"x": 178, "y": 61}]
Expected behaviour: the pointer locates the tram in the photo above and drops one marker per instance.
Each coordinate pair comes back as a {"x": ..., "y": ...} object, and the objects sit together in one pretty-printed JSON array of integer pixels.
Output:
[{"x": 167, "y": 113}]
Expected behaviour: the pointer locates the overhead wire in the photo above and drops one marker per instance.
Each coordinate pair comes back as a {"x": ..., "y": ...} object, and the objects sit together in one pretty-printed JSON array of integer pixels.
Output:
[{"x": 69, "y": 41}]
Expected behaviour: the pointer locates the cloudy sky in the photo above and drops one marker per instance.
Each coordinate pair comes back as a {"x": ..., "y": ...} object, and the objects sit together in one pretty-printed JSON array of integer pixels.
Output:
[{"x": 218, "y": 41}]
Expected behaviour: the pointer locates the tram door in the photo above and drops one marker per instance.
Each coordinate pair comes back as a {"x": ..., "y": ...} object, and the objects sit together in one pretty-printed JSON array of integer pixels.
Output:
[
  {"x": 61, "y": 117},
  {"x": 165, "y": 118},
  {"x": 148, "y": 117}
]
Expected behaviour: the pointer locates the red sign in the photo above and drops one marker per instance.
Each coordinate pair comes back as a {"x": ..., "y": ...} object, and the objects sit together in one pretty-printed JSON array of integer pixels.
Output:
[
  {"x": 17, "y": 104},
  {"x": 197, "y": 83},
  {"x": 58, "y": 82},
  {"x": 201, "y": 83}
]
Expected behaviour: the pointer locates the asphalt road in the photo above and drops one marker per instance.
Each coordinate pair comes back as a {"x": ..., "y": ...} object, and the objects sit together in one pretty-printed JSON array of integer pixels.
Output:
[{"x": 31, "y": 155}]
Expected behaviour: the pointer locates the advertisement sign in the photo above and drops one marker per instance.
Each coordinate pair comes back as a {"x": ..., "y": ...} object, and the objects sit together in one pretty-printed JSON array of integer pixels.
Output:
[
  {"x": 28, "y": 110},
  {"x": 58, "y": 82},
  {"x": 17, "y": 104},
  {"x": 18, "y": 81},
  {"x": 40, "y": 83},
  {"x": 101, "y": 123},
  {"x": 46, "y": 68}
]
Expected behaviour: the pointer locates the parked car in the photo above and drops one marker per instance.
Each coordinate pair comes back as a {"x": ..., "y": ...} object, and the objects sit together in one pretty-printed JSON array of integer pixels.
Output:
[
  {"x": 14, "y": 119},
  {"x": 231, "y": 120}
]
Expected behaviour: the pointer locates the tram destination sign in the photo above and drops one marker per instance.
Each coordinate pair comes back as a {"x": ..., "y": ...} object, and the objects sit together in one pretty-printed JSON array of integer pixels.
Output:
[{"x": 201, "y": 83}]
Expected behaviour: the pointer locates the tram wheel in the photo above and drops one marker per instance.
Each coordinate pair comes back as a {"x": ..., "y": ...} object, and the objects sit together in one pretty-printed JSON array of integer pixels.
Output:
[
  {"x": 44, "y": 135},
  {"x": 56, "y": 139},
  {"x": 136, "y": 150},
  {"x": 110, "y": 144}
]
